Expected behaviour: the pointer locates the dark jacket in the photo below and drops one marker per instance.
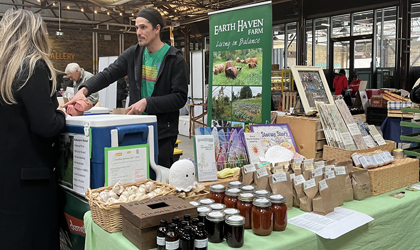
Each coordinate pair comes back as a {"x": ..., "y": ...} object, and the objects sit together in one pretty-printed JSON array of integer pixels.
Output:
[
  {"x": 28, "y": 140},
  {"x": 169, "y": 94}
]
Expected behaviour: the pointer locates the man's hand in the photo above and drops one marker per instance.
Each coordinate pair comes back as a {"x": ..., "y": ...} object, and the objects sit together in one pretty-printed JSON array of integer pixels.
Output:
[
  {"x": 138, "y": 107},
  {"x": 80, "y": 95}
]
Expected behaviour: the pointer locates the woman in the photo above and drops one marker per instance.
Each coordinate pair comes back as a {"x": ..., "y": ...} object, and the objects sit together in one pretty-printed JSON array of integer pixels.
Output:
[
  {"x": 340, "y": 82},
  {"x": 354, "y": 85},
  {"x": 30, "y": 123}
]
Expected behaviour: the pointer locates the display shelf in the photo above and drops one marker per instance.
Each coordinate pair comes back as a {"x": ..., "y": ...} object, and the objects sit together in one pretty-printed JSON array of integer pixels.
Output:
[
  {"x": 409, "y": 124},
  {"x": 412, "y": 151},
  {"x": 410, "y": 110},
  {"x": 411, "y": 137}
]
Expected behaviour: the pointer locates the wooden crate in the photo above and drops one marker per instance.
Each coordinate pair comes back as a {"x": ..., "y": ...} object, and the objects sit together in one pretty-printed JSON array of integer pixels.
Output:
[
  {"x": 307, "y": 133},
  {"x": 141, "y": 218},
  {"x": 399, "y": 114}
]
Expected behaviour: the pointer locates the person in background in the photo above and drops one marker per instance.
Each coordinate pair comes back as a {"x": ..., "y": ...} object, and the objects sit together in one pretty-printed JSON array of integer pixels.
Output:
[
  {"x": 158, "y": 76},
  {"x": 340, "y": 82},
  {"x": 121, "y": 91},
  {"x": 354, "y": 85},
  {"x": 79, "y": 76},
  {"x": 31, "y": 121}
]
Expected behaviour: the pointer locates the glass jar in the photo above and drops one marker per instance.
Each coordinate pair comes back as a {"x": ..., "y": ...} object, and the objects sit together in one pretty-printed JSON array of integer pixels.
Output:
[
  {"x": 234, "y": 230},
  {"x": 217, "y": 193},
  {"x": 206, "y": 202},
  {"x": 262, "y": 217},
  {"x": 279, "y": 212},
  {"x": 262, "y": 193},
  {"x": 231, "y": 211},
  {"x": 231, "y": 197},
  {"x": 214, "y": 226},
  {"x": 234, "y": 184},
  {"x": 195, "y": 203},
  {"x": 244, "y": 206},
  {"x": 217, "y": 206},
  {"x": 202, "y": 212},
  {"x": 248, "y": 189}
]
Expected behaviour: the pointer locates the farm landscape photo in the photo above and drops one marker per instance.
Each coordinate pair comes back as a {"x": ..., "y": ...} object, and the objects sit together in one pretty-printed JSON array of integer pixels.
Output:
[
  {"x": 221, "y": 102},
  {"x": 246, "y": 104}
]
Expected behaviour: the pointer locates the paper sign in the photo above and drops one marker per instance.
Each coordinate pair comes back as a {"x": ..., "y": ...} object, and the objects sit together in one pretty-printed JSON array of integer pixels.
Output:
[
  {"x": 262, "y": 172},
  {"x": 316, "y": 172},
  {"x": 309, "y": 184},
  {"x": 280, "y": 177},
  {"x": 323, "y": 185},
  {"x": 340, "y": 170},
  {"x": 206, "y": 168},
  {"x": 299, "y": 180},
  {"x": 249, "y": 168},
  {"x": 254, "y": 147}
]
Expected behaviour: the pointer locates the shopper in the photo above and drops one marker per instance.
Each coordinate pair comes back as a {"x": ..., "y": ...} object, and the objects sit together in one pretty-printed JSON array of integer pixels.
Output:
[
  {"x": 31, "y": 121},
  {"x": 354, "y": 85},
  {"x": 121, "y": 91},
  {"x": 340, "y": 82},
  {"x": 158, "y": 78},
  {"x": 78, "y": 76}
]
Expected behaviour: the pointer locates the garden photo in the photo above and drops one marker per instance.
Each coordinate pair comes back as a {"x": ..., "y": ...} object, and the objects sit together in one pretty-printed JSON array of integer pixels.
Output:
[
  {"x": 221, "y": 102},
  {"x": 246, "y": 104}
]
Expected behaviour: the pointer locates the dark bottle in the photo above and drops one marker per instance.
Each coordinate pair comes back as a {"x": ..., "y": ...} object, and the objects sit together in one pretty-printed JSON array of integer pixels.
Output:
[
  {"x": 175, "y": 220},
  {"x": 187, "y": 239},
  {"x": 201, "y": 240},
  {"x": 194, "y": 224},
  {"x": 182, "y": 227},
  {"x": 172, "y": 238},
  {"x": 187, "y": 218},
  {"x": 161, "y": 234}
]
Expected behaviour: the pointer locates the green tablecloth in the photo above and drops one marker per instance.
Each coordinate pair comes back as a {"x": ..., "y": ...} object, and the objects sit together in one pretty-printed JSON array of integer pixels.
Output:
[{"x": 396, "y": 225}]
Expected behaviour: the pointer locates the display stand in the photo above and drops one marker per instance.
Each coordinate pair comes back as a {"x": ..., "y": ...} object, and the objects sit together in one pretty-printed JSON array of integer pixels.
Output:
[{"x": 415, "y": 137}]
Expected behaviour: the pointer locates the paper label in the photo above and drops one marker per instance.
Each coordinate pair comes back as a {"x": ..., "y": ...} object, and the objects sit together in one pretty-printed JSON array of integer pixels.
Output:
[
  {"x": 299, "y": 180},
  {"x": 292, "y": 176},
  {"x": 379, "y": 159},
  {"x": 364, "y": 162},
  {"x": 308, "y": 165},
  {"x": 296, "y": 165},
  {"x": 200, "y": 243},
  {"x": 309, "y": 184},
  {"x": 298, "y": 160},
  {"x": 384, "y": 157},
  {"x": 309, "y": 160},
  {"x": 319, "y": 164},
  {"x": 356, "y": 159},
  {"x": 316, "y": 172},
  {"x": 379, "y": 139},
  {"x": 249, "y": 168},
  {"x": 373, "y": 160},
  {"x": 369, "y": 142},
  {"x": 263, "y": 164},
  {"x": 329, "y": 174},
  {"x": 160, "y": 241},
  {"x": 280, "y": 177},
  {"x": 354, "y": 129},
  {"x": 262, "y": 172},
  {"x": 323, "y": 185},
  {"x": 172, "y": 245},
  {"x": 329, "y": 168},
  {"x": 340, "y": 170},
  {"x": 347, "y": 139}
]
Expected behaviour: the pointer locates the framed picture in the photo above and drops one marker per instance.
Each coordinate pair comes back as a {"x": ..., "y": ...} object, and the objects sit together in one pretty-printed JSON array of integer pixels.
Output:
[{"x": 312, "y": 87}]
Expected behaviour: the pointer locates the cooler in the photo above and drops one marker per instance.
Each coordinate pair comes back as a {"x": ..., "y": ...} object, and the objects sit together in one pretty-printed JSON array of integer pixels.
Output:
[{"x": 114, "y": 131}]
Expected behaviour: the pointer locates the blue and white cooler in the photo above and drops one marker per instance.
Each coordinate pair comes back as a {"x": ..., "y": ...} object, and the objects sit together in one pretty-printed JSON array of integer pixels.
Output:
[{"x": 92, "y": 144}]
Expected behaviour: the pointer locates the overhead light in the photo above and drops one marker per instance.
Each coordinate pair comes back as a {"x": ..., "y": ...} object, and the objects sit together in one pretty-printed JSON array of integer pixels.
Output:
[
  {"x": 132, "y": 14},
  {"x": 53, "y": 3},
  {"x": 82, "y": 10},
  {"x": 107, "y": 13},
  {"x": 96, "y": 12},
  {"x": 325, "y": 24},
  {"x": 68, "y": 7},
  {"x": 121, "y": 14},
  {"x": 39, "y": 1}
]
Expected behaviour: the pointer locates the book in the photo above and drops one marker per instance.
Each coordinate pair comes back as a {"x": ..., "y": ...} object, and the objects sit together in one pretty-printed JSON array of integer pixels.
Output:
[
  {"x": 275, "y": 134},
  {"x": 254, "y": 147},
  {"x": 205, "y": 160}
]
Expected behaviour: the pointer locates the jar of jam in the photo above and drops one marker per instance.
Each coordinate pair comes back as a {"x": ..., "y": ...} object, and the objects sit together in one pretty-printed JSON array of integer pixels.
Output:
[
  {"x": 217, "y": 193},
  {"x": 234, "y": 184},
  {"x": 234, "y": 230},
  {"x": 245, "y": 206},
  {"x": 231, "y": 197},
  {"x": 262, "y": 193},
  {"x": 217, "y": 206},
  {"x": 231, "y": 211},
  {"x": 214, "y": 226},
  {"x": 206, "y": 201},
  {"x": 195, "y": 203},
  {"x": 202, "y": 212},
  {"x": 248, "y": 189},
  {"x": 262, "y": 217},
  {"x": 279, "y": 212}
]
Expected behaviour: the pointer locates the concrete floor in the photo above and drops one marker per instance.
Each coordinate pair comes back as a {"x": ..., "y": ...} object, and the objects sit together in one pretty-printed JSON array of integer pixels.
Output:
[{"x": 187, "y": 146}]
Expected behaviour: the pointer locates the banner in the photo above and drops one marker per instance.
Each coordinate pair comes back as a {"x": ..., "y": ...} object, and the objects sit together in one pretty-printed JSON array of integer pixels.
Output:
[{"x": 240, "y": 63}]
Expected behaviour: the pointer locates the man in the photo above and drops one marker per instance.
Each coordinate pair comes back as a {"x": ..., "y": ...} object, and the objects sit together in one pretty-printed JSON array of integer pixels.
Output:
[
  {"x": 79, "y": 76},
  {"x": 158, "y": 80},
  {"x": 121, "y": 91}
]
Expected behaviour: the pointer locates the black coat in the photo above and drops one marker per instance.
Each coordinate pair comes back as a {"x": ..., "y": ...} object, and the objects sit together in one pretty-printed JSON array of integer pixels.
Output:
[{"x": 28, "y": 133}]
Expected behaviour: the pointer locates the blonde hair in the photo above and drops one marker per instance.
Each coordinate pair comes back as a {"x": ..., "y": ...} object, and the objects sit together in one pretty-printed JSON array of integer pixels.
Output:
[{"x": 23, "y": 42}]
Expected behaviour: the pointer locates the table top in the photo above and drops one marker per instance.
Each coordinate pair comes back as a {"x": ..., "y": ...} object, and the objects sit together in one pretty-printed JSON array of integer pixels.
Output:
[{"x": 395, "y": 226}]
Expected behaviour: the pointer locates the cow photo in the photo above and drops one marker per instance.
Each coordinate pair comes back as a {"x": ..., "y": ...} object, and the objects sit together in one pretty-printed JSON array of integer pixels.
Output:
[{"x": 237, "y": 67}]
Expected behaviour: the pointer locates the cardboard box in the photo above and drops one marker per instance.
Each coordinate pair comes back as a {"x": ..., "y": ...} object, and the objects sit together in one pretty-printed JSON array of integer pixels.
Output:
[{"x": 140, "y": 219}]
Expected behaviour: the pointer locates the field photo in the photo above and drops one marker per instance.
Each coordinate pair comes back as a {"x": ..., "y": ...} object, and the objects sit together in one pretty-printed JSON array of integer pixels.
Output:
[
  {"x": 222, "y": 102},
  {"x": 246, "y": 104},
  {"x": 65, "y": 164},
  {"x": 238, "y": 124},
  {"x": 237, "y": 67}
]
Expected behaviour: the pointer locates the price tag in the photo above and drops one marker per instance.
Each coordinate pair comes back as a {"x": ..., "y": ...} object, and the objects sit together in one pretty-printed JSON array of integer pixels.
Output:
[
  {"x": 262, "y": 172},
  {"x": 323, "y": 185},
  {"x": 299, "y": 180},
  {"x": 280, "y": 177},
  {"x": 329, "y": 175},
  {"x": 369, "y": 142},
  {"x": 354, "y": 129},
  {"x": 249, "y": 168},
  {"x": 292, "y": 176},
  {"x": 319, "y": 164},
  {"x": 316, "y": 172},
  {"x": 309, "y": 160},
  {"x": 340, "y": 170},
  {"x": 308, "y": 165},
  {"x": 347, "y": 139},
  {"x": 329, "y": 168},
  {"x": 298, "y": 160},
  {"x": 296, "y": 165},
  {"x": 379, "y": 139},
  {"x": 309, "y": 184}
]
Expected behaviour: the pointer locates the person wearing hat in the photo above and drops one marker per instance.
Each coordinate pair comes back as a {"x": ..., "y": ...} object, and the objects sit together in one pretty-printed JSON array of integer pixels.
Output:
[{"x": 158, "y": 80}]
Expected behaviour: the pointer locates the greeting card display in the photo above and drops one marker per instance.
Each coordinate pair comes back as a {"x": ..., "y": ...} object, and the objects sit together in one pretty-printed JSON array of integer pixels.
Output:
[{"x": 275, "y": 134}]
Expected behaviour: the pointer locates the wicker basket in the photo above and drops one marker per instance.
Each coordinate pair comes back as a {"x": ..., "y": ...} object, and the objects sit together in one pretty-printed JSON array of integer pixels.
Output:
[
  {"x": 401, "y": 173},
  {"x": 203, "y": 194},
  {"x": 338, "y": 154},
  {"x": 108, "y": 216}
]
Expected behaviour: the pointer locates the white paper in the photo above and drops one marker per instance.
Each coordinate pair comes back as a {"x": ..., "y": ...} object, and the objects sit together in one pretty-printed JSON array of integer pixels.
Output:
[
  {"x": 332, "y": 225},
  {"x": 292, "y": 176},
  {"x": 347, "y": 139},
  {"x": 309, "y": 184},
  {"x": 379, "y": 159},
  {"x": 329, "y": 174},
  {"x": 356, "y": 160},
  {"x": 81, "y": 164},
  {"x": 279, "y": 177},
  {"x": 379, "y": 139},
  {"x": 319, "y": 164},
  {"x": 249, "y": 168},
  {"x": 323, "y": 185},
  {"x": 254, "y": 147},
  {"x": 205, "y": 159},
  {"x": 316, "y": 172},
  {"x": 369, "y": 141},
  {"x": 354, "y": 129},
  {"x": 329, "y": 168},
  {"x": 127, "y": 165},
  {"x": 299, "y": 180},
  {"x": 364, "y": 162},
  {"x": 298, "y": 160},
  {"x": 262, "y": 172},
  {"x": 340, "y": 170}
]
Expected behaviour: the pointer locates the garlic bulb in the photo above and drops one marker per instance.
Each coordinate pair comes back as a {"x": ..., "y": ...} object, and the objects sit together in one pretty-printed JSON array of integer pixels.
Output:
[
  {"x": 123, "y": 198},
  {"x": 141, "y": 190},
  {"x": 150, "y": 186},
  {"x": 118, "y": 188},
  {"x": 143, "y": 186},
  {"x": 112, "y": 201},
  {"x": 113, "y": 195},
  {"x": 151, "y": 194},
  {"x": 132, "y": 197},
  {"x": 104, "y": 196},
  {"x": 132, "y": 189},
  {"x": 125, "y": 193}
]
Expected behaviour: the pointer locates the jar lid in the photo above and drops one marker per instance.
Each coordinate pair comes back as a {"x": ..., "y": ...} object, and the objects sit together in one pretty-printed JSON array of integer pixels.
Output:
[
  {"x": 277, "y": 198},
  {"x": 234, "y": 184},
  {"x": 235, "y": 220},
  {"x": 206, "y": 201},
  {"x": 262, "y": 202},
  {"x": 203, "y": 210},
  {"x": 218, "y": 188},
  {"x": 215, "y": 216},
  {"x": 262, "y": 193},
  {"x": 231, "y": 211},
  {"x": 233, "y": 192},
  {"x": 217, "y": 206},
  {"x": 248, "y": 189},
  {"x": 195, "y": 203},
  {"x": 246, "y": 197}
]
